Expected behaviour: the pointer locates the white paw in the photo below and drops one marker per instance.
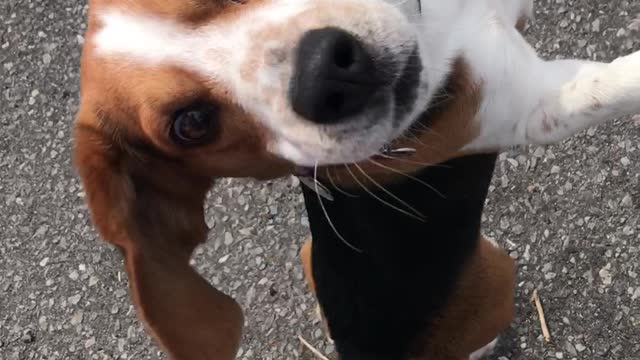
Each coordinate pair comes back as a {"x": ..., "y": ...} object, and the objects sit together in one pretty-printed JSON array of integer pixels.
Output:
[
  {"x": 625, "y": 67},
  {"x": 484, "y": 351},
  {"x": 630, "y": 59},
  {"x": 619, "y": 86}
]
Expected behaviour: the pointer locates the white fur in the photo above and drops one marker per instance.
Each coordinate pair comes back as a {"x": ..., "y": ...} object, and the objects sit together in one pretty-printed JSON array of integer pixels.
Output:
[
  {"x": 526, "y": 99},
  {"x": 529, "y": 100}
]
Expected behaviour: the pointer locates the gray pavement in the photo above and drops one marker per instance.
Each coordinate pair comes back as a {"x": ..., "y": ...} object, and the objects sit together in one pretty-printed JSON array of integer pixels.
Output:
[{"x": 570, "y": 214}]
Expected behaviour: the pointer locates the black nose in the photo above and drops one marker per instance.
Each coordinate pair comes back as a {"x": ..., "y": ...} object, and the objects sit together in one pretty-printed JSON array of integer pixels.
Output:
[{"x": 334, "y": 76}]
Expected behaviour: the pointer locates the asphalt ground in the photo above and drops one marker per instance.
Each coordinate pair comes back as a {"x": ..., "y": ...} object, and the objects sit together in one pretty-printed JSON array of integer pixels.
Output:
[{"x": 570, "y": 215}]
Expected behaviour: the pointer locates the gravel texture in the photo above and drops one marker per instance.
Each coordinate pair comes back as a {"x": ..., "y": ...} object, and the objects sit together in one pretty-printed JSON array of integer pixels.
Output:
[{"x": 570, "y": 214}]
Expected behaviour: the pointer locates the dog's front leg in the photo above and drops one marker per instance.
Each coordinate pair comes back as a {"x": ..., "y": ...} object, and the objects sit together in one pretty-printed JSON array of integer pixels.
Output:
[
  {"x": 532, "y": 101},
  {"x": 597, "y": 93}
]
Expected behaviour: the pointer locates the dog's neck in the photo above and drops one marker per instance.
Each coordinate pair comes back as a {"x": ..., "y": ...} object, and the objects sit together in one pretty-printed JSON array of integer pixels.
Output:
[{"x": 403, "y": 263}]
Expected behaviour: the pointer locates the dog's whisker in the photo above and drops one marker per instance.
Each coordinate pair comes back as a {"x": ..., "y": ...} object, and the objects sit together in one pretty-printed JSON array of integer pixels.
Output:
[
  {"x": 316, "y": 186},
  {"x": 338, "y": 189},
  {"x": 326, "y": 213},
  {"x": 415, "y": 139},
  {"x": 439, "y": 100},
  {"x": 404, "y": 203},
  {"x": 418, "y": 216},
  {"x": 409, "y": 176},
  {"x": 410, "y": 136},
  {"x": 402, "y": 152},
  {"x": 424, "y": 128},
  {"x": 388, "y": 150}
]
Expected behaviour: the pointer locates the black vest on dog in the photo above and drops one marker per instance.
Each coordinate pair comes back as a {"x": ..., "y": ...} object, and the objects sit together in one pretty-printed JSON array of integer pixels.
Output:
[{"x": 379, "y": 301}]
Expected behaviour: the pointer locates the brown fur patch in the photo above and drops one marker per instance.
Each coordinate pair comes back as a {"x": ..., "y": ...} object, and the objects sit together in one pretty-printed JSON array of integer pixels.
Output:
[
  {"x": 522, "y": 23},
  {"x": 305, "y": 257},
  {"x": 438, "y": 137},
  {"x": 481, "y": 307}
]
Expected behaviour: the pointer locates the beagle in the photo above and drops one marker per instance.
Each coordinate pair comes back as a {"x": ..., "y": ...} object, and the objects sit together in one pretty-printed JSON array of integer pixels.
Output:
[{"x": 175, "y": 94}]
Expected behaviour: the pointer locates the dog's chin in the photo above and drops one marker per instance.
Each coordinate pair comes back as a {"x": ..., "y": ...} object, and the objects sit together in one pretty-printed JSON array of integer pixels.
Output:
[
  {"x": 388, "y": 146},
  {"x": 393, "y": 147}
]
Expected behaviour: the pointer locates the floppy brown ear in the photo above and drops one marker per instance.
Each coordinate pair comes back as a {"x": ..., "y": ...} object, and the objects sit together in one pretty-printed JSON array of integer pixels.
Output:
[{"x": 151, "y": 208}]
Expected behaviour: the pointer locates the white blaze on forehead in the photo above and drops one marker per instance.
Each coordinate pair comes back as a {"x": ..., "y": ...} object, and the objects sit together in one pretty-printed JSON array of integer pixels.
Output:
[
  {"x": 148, "y": 39},
  {"x": 158, "y": 40}
]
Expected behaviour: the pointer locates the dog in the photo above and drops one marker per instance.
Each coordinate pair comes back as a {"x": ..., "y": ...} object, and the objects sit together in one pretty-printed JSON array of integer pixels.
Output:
[{"x": 175, "y": 94}]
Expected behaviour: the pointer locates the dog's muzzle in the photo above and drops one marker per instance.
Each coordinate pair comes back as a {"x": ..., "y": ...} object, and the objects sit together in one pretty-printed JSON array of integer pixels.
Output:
[{"x": 335, "y": 77}]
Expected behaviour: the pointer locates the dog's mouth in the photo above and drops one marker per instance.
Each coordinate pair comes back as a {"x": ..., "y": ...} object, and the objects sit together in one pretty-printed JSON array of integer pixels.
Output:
[
  {"x": 404, "y": 92},
  {"x": 387, "y": 152},
  {"x": 308, "y": 176}
]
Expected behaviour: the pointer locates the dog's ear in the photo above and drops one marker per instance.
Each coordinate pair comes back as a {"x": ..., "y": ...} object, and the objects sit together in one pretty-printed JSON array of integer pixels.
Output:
[{"x": 151, "y": 208}]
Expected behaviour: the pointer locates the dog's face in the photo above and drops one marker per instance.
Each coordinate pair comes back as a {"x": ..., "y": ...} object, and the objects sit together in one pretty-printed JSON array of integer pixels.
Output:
[
  {"x": 307, "y": 81},
  {"x": 178, "y": 93}
]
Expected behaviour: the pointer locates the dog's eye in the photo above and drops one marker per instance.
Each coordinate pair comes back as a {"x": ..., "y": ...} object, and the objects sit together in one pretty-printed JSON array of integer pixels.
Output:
[{"x": 194, "y": 125}]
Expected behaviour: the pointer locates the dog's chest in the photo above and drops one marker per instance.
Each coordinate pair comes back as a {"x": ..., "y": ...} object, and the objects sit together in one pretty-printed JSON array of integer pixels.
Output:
[{"x": 381, "y": 298}]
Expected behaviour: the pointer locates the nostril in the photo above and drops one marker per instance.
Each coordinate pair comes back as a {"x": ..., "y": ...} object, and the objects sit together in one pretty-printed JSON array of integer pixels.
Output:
[{"x": 344, "y": 54}]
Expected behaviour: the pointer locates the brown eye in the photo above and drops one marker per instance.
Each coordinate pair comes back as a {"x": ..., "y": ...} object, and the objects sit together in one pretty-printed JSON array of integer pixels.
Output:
[{"x": 194, "y": 125}]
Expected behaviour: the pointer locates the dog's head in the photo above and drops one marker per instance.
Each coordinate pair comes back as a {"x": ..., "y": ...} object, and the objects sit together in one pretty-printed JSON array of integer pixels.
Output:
[
  {"x": 178, "y": 93},
  {"x": 310, "y": 81}
]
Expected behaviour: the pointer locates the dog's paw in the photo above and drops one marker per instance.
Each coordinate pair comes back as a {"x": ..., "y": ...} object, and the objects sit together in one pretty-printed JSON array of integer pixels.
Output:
[
  {"x": 619, "y": 85},
  {"x": 630, "y": 62},
  {"x": 484, "y": 351},
  {"x": 622, "y": 77}
]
